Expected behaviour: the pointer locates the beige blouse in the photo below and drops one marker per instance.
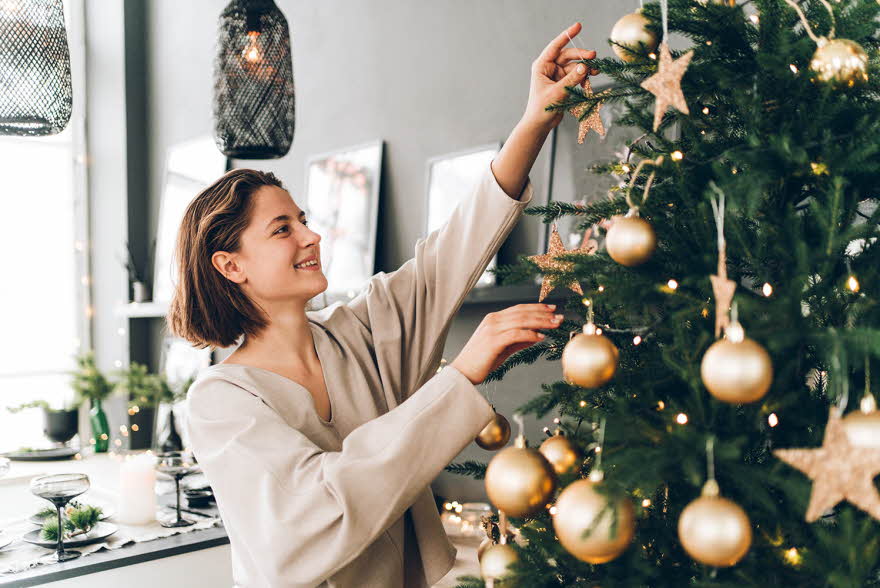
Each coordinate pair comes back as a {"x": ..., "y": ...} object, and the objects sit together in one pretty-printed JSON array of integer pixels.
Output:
[{"x": 347, "y": 502}]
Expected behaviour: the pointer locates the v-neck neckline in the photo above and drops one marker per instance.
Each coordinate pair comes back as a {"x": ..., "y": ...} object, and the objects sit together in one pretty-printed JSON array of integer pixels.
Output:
[{"x": 327, "y": 385}]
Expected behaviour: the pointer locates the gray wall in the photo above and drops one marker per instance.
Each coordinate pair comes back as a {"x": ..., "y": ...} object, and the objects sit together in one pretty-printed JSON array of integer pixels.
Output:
[{"x": 427, "y": 77}]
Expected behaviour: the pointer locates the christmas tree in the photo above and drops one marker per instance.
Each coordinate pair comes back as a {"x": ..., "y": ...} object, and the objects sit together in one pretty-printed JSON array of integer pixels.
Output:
[{"x": 716, "y": 425}]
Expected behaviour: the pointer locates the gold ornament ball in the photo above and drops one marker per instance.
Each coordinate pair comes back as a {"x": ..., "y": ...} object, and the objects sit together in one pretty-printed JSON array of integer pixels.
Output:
[
  {"x": 495, "y": 562},
  {"x": 589, "y": 360},
  {"x": 495, "y": 435},
  {"x": 631, "y": 31},
  {"x": 561, "y": 453},
  {"x": 737, "y": 373},
  {"x": 520, "y": 481},
  {"x": 631, "y": 240},
  {"x": 863, "y": 429},
  {"x": 840, "y": 62},
  {"x": 576, "y": 510},
  {"x": 715, "y": 531},
  {"x": 484, "y": 545}
]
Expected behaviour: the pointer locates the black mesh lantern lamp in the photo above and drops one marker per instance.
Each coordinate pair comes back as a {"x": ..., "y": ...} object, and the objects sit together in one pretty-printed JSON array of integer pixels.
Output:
[
  {"x": 36, "y": 95},
  {"x": 253, "y": 82}
]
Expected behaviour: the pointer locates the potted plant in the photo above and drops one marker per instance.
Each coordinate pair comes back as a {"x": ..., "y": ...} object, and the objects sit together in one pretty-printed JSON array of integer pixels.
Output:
[
  {"x": 90, "y": 384},
  {"x": 59, "y": 425}
]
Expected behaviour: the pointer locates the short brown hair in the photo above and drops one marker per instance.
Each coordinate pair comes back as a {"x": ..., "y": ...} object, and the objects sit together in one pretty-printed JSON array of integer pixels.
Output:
[{"x": 207, "y": 309}]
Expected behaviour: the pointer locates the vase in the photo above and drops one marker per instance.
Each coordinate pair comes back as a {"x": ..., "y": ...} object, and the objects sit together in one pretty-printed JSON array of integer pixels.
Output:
[
  {"x": 60, "y": 425},
  {"x": 139, "y": 289},
  {"x": 100, "y": 428},
  {"x": 169, "y": 438}
]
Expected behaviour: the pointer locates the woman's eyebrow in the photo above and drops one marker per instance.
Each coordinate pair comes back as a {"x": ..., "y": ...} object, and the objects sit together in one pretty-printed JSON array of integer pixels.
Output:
[{"x": 284, "y": 217}]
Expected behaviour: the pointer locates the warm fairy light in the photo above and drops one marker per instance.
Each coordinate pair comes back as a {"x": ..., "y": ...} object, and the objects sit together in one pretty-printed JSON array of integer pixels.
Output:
[
  {"x": 601, "y": 288},
  {"x": 546, "y": 430},
  {"x": 677, "y": 155},
  {"x": 123, "y": 429},
  {"x": 585, "y": 301},
  {"x": 120, "y": 331},
  {"x": 556, "y": 420},
  {"x": 793, "y": 68},
  {"x": 118, "y": 442},
  {"x": 704, "y": 313},
  {"x": 734, "y": 171},
  {"x": 754, "y": 18},
  {"x": 709, "y": 43},
  {"x": 118, "y": 363},
  {"x": 646, "y": 502},
  {"x": 552, "y": 510},
  {"x": 104, "y": 436},
  {"x": 702, "y": 132},
  {"x": 672, "y": 284},
  {"x": 793, "y": 557},
  {"x": 767, "y": 289},
  {"x": 89, "y": 311},
  {"x": 92, "y": 441},
  {"x": 598, "y": 449},
  {"x": 84, "y": 280},
  {"x": 252, "y": 51},
  {"x": 681, "y": 418},
  {"x": 705, "y": 110},
  {"x": 582, "y": 403},
  {"x": 772, "y": 420},
  {"x": 853, "y": 284},
  {"x": 77, "y": 456},
  {"x": 637, "y": 339},
  {"x": 625, "y": 168},
  {"x": 661, "y": 405},
  {"x": 598, "y": 331},
  {"x": 135, "y": 428},
  {"x": 652, "y": 55}
]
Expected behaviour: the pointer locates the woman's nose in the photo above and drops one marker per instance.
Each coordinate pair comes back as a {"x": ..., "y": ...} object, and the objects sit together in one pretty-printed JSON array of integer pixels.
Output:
[{"x": 309, "y": 237}]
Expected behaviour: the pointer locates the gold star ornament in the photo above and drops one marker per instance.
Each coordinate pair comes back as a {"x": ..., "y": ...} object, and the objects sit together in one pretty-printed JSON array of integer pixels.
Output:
[
  {"x": 548, "y": 262},
  {"x": 593, "y": 120},
  {"x": 839, "y": 471},
  {"x": 666, "y": 83}
]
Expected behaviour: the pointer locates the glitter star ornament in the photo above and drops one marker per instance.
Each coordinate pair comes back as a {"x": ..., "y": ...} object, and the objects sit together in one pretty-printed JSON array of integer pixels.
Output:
[
  {"x": 839, "y": 470},
  {"x": 548, "y": 261},
  {"x": 593, "y": 121},
  {"x": 666, "y": 83}
]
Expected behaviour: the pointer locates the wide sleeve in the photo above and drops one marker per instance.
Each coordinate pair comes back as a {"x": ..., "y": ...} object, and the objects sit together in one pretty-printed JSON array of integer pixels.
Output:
[
  {"x": 301, "y": 513},
  {"x": 408, "y": 311}
]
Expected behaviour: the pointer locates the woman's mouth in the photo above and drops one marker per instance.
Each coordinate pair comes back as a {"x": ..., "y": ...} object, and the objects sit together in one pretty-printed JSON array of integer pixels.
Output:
[{"x": 310, "y": 265}]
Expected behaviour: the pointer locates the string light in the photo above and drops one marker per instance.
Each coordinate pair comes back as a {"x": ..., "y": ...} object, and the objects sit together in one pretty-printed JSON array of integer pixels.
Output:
[
  {"x": 583, "y": 403},
  {"x": 853, "y": 284},
  {"x": 652, "y": 55},
  {"x": 767, "y": 289},
  {"x": 793, "y": 557},
  {"x": 556, "y": 421},
  {"x": 681, "y": 419},
  {"x": 661, "y": 405},
  {"x": 772, "y": 420},
  {"x": 118, "y": 442},
  {"x": 677, "y": 155},
  {"x": 793, "y": 68},
  {"x": 552, "y": 510},
  {"x": 135, "y": 428},
  {"x": 672, "y": 284},
  {"x": 601, "y": 288},
  {"x": 598, "y": 331},
  {"x": 704, "y": 312},
  {"x": 625, "y": 167},
  {"x": 754, "y": 18},
  {"x": 104, "y": 436},
  {"x": 646, "y": 502},
  {"x": 705, "y": 110},
  {"x": 636, "y": 340}
]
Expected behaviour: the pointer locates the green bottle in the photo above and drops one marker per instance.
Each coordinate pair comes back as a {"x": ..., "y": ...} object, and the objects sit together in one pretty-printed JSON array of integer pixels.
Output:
[{"x": 100, "y": 428}]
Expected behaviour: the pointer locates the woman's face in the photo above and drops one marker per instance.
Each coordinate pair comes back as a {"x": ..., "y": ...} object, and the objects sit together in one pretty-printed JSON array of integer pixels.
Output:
[{"x": 279, "y": 258}]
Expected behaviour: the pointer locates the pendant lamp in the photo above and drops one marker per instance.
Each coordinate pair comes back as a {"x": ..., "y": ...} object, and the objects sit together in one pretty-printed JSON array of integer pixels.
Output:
[
  {"x": 36, "y": 95},
  {"x": 253, "y": 82}
]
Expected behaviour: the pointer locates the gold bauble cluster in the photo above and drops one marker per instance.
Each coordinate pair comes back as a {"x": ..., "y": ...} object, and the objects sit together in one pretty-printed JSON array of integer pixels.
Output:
[
  {"x": 632, "y": 32},
  {"x": 520, "y": 481},
  {"x": 589, "y": 360},
  {"x": 631, "y": 240},
  {"x": 713, "y": 530},
  {"x": 840, "y": 62},
  {"x": 737, "y": 371},
  {"x": 584, "y": 505},
  {"x": 495, "y": 434},
  {"x": 561, "y": 453}
]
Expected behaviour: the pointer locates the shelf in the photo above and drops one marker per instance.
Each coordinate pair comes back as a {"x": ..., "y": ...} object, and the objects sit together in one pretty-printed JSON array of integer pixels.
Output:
[{"x": 481, "y": 295}]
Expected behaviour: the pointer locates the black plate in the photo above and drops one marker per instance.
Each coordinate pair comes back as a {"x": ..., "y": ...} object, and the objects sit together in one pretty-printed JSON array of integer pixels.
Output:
[
  {"x": 98, "y": 533},
  {"x": 42, "y": 454}
]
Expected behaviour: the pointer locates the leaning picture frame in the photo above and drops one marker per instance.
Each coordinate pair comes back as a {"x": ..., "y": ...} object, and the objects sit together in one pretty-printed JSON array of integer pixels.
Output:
[
  {"x": 450, "y": 178},
  {"x": 190, "y": 167},
  {"x": 342, "y": 205}
]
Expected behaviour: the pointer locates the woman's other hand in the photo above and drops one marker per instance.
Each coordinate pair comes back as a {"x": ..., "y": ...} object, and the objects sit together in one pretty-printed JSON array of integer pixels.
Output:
[
  {"x": 501, "y": 334},
  {"x": 553, "y": 70}
]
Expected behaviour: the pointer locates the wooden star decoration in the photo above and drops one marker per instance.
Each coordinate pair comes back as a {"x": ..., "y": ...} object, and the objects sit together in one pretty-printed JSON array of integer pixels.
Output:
[
  {"x": 666, "y": 83},
  {"x": 593, "y": 120},
  {"x": 549, "y": 262},
  {"x": 839, "y": 471}
]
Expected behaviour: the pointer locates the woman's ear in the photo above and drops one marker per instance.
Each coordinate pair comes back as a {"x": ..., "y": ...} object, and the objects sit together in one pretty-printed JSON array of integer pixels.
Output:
[{"x": 226, "y": 264}]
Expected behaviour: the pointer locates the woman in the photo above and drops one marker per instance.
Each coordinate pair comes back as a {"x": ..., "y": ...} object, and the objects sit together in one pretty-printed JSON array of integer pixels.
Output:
[{"x": 321, "y": 432}]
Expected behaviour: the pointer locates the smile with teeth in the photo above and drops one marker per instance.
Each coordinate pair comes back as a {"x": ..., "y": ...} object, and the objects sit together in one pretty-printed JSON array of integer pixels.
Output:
[{"x": 304, "y": 264}]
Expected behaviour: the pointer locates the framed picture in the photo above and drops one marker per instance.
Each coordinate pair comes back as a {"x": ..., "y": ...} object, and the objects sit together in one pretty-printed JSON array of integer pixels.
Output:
[
  {"x": 342, "y": 205},
  {"x": 190, "y": 167},
  {"x": 451, "y": 178},
  {"x": 572, "y": 178}
]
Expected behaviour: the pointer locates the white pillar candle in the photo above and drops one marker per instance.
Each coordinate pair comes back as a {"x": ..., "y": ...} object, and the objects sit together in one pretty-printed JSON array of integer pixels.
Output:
[{"x": 137, "y": 490}]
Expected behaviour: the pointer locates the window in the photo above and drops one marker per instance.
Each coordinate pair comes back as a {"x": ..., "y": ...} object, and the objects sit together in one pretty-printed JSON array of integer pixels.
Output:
[{"x": 45, "y": 281}]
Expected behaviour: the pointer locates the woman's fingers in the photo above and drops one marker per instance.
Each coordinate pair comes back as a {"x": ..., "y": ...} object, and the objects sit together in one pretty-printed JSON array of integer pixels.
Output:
[
  {"x": 552, "y": 50},
  {"x": 569, "y": 68},
  {"x": 570, "y": 54}
]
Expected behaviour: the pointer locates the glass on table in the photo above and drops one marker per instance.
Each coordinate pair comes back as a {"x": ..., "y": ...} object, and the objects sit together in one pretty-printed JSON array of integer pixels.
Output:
[
  {"x": 59, "y": 489},
  {"x": 178, "y": 465}
]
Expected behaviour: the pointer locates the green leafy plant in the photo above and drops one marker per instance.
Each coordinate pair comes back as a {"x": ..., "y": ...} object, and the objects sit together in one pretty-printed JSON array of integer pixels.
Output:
[
  {"x": 89, "y": 383},
  {"x": 78, "y": 521}
]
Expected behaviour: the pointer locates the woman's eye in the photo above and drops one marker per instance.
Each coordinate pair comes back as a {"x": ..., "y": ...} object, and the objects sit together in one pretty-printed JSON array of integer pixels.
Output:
[{"x": 282, "y": 227}]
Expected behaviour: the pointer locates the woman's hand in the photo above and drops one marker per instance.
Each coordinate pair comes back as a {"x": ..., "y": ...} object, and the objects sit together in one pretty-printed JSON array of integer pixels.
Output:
[
  {"x": 501, "y": 334},
  {"x": 552, "y": 71}
]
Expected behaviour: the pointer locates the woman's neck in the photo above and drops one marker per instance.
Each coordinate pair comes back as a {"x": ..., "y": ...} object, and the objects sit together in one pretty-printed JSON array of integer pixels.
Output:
[{"x": 287, "y": 341}]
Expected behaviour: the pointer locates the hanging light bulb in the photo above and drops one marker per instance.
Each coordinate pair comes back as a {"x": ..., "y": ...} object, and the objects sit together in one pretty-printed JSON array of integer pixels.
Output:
[{"x": 253, "y": 51}]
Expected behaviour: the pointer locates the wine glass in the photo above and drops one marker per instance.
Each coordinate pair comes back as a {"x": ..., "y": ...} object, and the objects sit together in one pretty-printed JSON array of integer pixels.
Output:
[
  {"x": 177, "y": 464},
  {"x": 59, "y": 489}
]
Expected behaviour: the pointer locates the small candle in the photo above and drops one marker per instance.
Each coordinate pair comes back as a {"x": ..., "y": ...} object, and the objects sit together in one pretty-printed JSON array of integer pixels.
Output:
[{"x": 137, "y": 492}]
